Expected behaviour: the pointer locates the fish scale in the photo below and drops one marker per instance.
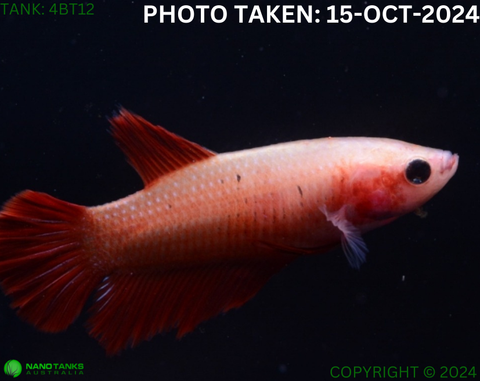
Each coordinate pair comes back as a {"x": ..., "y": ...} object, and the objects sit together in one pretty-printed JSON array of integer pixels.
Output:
[{"x": 196, "y": 212}]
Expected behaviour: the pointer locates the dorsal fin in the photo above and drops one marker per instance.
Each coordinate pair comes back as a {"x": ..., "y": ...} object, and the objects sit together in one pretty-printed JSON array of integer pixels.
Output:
[{"x": 152, "y": 150}]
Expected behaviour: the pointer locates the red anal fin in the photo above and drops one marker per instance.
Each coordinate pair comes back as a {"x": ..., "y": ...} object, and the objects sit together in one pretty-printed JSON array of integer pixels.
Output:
[
  {"x": 152, "y": 150},
  {"x": 298, "y": 250},
  {"x": 43, "y": 265},
  {"x": 130, "y": 308}
]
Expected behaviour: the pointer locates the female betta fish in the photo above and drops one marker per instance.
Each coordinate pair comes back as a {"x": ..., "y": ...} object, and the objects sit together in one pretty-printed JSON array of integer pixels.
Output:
[{"x": 206, "y": 232}]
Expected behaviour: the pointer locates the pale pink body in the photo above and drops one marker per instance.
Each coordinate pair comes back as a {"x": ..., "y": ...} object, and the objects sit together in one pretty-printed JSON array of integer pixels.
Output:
[{"x": 228, "y": 205}]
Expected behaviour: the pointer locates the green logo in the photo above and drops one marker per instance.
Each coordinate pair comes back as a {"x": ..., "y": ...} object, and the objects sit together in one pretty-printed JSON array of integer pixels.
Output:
[{"x": 12, "y": 368}]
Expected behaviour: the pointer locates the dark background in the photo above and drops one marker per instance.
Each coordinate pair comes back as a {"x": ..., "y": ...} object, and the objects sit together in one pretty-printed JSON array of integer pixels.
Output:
[{"x": 232, "y": 86}]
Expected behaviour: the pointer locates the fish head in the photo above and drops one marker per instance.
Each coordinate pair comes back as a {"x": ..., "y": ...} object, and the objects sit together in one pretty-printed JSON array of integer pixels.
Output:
[
  {"x": 386, "y": 179},
  {"x": 425, "y": 172}
]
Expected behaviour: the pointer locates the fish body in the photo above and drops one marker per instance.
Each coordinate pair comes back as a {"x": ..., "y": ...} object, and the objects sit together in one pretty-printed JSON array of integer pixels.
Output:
[
  {"x": 207, "y": 231},
  {"x": 223, "y": 207}
]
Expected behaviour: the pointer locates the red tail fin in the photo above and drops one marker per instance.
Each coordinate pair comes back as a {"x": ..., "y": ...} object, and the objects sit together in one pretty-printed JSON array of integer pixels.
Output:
[{"x": 43, "y": 266}]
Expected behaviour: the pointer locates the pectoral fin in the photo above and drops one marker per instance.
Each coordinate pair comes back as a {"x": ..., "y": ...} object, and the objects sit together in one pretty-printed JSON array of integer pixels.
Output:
[{"x": 353, "y": 244}]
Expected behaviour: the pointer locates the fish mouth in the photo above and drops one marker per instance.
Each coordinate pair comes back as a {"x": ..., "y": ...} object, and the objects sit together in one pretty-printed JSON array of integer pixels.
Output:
[{"x": 449, "y": 162}]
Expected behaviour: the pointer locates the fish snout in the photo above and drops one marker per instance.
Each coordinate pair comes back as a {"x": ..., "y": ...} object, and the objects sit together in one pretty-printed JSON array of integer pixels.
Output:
[{"x": 449, "y": 162}]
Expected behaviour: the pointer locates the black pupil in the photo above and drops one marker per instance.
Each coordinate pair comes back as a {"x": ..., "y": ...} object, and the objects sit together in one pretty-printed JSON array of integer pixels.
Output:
[{"x": 418, "y": 171}]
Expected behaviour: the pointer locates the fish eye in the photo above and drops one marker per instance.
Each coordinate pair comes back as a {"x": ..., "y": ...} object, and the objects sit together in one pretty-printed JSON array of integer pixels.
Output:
[{"x": 418, "y": 171}]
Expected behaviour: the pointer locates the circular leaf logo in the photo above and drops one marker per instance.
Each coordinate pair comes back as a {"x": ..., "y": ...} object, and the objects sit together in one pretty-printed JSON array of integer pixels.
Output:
[{"x": 12, "y": 368}]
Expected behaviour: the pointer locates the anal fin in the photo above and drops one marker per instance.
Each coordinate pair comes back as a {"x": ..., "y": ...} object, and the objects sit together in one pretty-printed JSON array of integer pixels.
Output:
[{"x": 132, "y": 307}]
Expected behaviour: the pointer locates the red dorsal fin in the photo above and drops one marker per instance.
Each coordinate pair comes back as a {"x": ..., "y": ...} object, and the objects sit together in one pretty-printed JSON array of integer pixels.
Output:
[
  {"x": 43, "y": 264},
  {"x": 152, "y": 150},
  {"x": 132, "y": 307}
]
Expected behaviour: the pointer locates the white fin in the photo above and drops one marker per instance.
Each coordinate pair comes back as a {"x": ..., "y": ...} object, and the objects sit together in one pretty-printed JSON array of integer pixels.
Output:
[{"x": 353, "y": 244}]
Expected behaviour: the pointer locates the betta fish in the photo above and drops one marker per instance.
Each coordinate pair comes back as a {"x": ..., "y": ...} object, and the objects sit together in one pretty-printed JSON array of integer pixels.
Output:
[{"x": 207, "y": 231}]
